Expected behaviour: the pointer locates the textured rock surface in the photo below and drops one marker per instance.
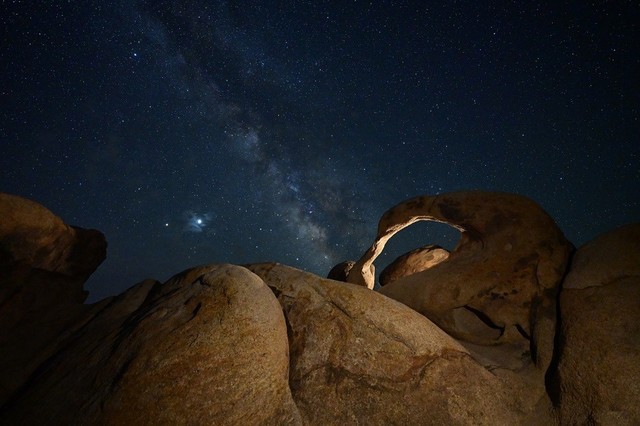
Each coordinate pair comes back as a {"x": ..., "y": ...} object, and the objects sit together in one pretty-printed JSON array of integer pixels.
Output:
[
  {"x": 502, "y": 276},
  {"x": 360, "y": 358},
  {"x": 43, "y": 265},
  {"x": 598, "y": 376},
  {"x": 37, "y": 247},
  {"x": 414, "y": 261},
  {"x": 341, "y": 271},
  {"x": 212, "y": 346},
  {"x": 207, "y": 347}
]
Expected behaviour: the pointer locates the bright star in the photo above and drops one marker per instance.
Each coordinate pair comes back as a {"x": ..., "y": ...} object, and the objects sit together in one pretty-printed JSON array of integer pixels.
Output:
[{"x": 197, "y": 222}]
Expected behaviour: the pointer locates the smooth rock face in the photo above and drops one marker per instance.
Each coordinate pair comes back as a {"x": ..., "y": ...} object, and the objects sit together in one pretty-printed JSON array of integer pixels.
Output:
[
  {"x": 414, "y": 261},
  {"x": 610, "y": 257},
  {"x": 597, "y": 380},
  {"x": 208, "y": 347},
  {"x": 504, "y": 272},
  {"x": 360, "y": 358},
  {"x": 33, "y": 238}
]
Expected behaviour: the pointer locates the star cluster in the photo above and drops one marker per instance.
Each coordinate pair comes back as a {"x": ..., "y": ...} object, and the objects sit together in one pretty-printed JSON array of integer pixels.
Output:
[{"x": 223, "y": 131}]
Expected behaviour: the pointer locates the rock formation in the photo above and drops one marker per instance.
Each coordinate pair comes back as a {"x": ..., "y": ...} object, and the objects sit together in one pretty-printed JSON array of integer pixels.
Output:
[
  {"x": 270, "y": 344},
  {"x": 597, "y": 380},
  {"x": 188, "y": 351},
  {"x": 359, "y": 357},
  {"x": 500, "y": 282},
  {"x": 341, "y": 271},
  {"x": 43, "y": 266},
  {"x": 416, "y": 260},
  {"x": 41, "y": 258}
]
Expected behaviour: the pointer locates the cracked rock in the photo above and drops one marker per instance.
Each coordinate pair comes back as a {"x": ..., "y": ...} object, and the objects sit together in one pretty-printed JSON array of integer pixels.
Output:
[{"x": 358, "y": 357}]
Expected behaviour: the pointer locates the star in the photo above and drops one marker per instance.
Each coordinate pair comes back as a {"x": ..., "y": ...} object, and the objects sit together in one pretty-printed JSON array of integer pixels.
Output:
[{"x": 197, "y": 222}]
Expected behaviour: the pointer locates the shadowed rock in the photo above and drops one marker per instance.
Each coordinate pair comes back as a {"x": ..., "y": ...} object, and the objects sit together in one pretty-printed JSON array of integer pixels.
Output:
[
  {"x": 597, "y": 380},
  {"x": 341, "y": 271},
  {"x": 43, "y": 266}
]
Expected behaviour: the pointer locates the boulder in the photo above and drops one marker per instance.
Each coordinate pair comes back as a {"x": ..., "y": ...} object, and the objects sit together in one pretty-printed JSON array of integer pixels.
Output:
[
  {"x": 43, "y": 266},
  {"x": 207, "y": 347},
  {"x": 36, "y": 247},
  {"x": 358, "y": 357},
  {"x": 341, "y": 271},
  {"x": 498, "y": 285},
  {"x": 414, "y": 261},
  {"x": 597, "y": 380}
]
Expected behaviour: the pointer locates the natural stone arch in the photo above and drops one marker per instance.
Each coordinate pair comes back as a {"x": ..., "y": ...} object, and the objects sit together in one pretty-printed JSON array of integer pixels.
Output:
[
  {"x": 363, "y": 271},
  {"x": 505, "y": 269}
]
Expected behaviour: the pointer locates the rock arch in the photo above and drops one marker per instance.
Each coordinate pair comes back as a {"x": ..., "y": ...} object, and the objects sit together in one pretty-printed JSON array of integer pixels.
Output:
[{"x": 505, "y": 270}]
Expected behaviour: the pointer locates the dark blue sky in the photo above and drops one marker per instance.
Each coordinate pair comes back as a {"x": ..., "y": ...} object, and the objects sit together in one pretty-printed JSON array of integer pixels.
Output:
[{"x": 244, "y": 131}]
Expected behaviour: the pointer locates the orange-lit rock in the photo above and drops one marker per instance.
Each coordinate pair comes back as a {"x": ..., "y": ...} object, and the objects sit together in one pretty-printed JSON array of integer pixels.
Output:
[
  {"x": 207, "y": 347},
  {"x": 504, "y": 272},
  {"x": 358, "y": 357},
  {"x": 414, "y": 261}
]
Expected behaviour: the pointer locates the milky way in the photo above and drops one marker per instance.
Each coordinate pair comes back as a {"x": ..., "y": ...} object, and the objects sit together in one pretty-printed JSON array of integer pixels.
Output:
[{"x": 194, "y": 132}]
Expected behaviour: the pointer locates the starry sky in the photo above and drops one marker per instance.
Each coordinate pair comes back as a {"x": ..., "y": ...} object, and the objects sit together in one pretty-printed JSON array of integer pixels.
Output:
[{"x": 194, "y": 132}]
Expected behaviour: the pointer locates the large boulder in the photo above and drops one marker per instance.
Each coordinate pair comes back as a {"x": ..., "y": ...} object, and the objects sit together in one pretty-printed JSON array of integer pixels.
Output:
[
  {"x": 42, "y": 260},
  {"x": 498, "y": 285},
  {"x": 416, "y": 260},
  {"x": 340, "y": 272},
  {"x": 358, "y": 357},
  {"x": 43, "y": 266},
  {"x": 208, "y": 347},
  {"x": 597, "y": 380}
]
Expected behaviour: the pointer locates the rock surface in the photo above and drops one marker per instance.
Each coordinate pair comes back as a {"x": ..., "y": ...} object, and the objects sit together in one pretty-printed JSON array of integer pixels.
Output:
[
  {"x": 37, "y": 247},
  {"x": 269, "y": 344},
  {"x": 597, "y": 380},
  {"x": 341, "y": 271},
  {"x": 414, "y": 261},
  {"x": 43, "y": 266},
  {"x": 500, "y": 282},
  {"x": 360, "y": 358},
  {"x": 208, "y": 347}
]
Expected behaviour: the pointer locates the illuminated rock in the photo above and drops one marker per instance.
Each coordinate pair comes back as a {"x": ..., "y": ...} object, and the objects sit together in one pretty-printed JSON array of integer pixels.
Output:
[
  {"x": 504, "y": 271},
  {"x": 361, "y": 358},
  {"x": 414, "y": 261},
  {"x": 207, "y": 347}
]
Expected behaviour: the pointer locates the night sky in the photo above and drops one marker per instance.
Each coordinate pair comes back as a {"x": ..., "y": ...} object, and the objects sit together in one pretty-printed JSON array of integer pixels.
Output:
[{"x": 194, "y": 132}]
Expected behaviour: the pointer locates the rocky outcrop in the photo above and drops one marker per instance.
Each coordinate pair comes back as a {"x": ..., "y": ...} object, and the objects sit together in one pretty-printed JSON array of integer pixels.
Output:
[
  {"x": 360, "y": 358},
  {"x": 496, "y": 292},
  {"x": 341, "y": 271},
  {"x": 414, "y": 261},
  {"x": 270, "y": 344},
  {"x": 42, "y": 259},
  {"x": 43, "y": 266},
  {"x": 597, "y": 380},
  {"x": 207, "y": 347},
  {"x": 500, "y": 282}
]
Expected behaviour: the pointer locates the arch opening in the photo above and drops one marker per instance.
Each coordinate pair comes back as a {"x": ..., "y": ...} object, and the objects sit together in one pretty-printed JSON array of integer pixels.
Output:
[{"x": 411, "y": 238}]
